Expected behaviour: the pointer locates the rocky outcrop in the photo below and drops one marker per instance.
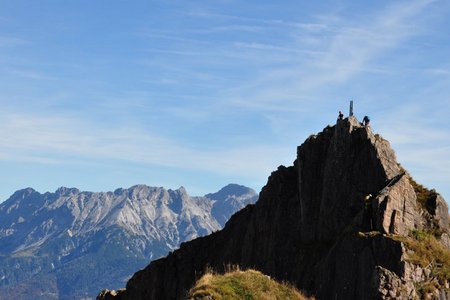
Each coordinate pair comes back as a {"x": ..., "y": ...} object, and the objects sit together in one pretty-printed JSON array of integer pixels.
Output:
[
  {"x": 337, "y": 169},
  {"x": 439, "y": 211},
  {"x": 394, "y": 208},
  {"x": 328, "y": 224},
  {"x": 388, "y": 285}
]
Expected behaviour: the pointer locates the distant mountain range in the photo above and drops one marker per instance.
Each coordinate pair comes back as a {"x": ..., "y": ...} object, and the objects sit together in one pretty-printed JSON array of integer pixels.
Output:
[{"x": 60, "y": 245}]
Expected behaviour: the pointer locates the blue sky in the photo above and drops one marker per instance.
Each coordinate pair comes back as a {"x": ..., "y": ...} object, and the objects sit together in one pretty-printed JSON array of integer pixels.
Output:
[{"x": 106, "y": 94}]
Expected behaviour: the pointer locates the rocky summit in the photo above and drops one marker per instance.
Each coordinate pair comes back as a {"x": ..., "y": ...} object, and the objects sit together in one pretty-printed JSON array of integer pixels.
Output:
[
  {"x": 345, "y": 221},
  {"x": 70, "y": 244}
]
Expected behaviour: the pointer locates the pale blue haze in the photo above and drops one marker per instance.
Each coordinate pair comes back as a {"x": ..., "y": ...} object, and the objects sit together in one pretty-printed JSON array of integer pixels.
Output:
[{"x": 105, "y": 94}]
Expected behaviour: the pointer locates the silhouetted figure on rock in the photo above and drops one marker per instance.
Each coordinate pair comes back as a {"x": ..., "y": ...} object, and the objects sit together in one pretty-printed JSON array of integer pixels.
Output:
[{"x": 366, "y": 121}]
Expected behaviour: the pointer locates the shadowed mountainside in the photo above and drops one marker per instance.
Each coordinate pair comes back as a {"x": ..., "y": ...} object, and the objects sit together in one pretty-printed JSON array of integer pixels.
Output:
[{"x": 346, "y": 221}]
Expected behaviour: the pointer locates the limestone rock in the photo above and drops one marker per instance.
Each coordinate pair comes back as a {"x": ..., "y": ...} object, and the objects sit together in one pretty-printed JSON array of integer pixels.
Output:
[
  {"x": 440, "y": 212},
  {"x": 395, "y": 207},
  {"x": 445, "y": 240},
  {"x": 390, "y": 286}
]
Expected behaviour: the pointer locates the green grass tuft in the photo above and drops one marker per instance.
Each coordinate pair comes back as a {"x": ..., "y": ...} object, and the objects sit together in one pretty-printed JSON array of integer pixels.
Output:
[
  {"x": 425, "y": 197},
  {"x": 426, "y": 251},
  {"x": 248, "y": 285}
]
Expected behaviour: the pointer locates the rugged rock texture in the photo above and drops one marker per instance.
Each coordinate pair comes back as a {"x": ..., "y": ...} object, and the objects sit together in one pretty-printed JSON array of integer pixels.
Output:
[
  {"x": 336, "y": 170},
  {"x": 59, "y": 245},
  {"x": 332, "y": 224},
  {"x": 396, "y": 210},
  {"x": 439, "y": 211}
]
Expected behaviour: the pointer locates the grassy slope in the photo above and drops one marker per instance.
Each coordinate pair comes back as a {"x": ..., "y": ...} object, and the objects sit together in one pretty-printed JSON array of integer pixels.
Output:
[
  {"x": 426, "y": 251},
  {"x": 238, "y": 284}
]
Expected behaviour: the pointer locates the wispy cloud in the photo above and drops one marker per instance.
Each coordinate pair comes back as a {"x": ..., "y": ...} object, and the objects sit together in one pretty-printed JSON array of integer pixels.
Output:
[
  {"x": 422, "y": 146},
  {"x": 266, "y": 21},
  {"x": 271, "y": 81},
  {"x": 236, "y": 27},
  {"x": 12, "y": 41},
  {"x": 439, "y": 71},
  {"x": 156, "y": 34},
  {"x": 274, "y": 47},
  {"x": 29, "y": 138},
  {"x": 346, "y": 51},
  {"x": 30, "y": 74}
]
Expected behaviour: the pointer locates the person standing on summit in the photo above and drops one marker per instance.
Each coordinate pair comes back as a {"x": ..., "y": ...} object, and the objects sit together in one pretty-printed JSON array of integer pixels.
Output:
[{"x": 366, "y": 121}]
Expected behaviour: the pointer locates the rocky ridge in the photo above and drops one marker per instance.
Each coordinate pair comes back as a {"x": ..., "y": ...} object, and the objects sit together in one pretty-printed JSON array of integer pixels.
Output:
[
  {"x": 346, "y": 221},
  {"x": 59, "y": 245}
]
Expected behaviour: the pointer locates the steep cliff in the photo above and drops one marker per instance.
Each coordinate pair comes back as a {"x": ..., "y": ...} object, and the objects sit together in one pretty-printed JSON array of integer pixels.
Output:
[{"x": 338, "y": 224}]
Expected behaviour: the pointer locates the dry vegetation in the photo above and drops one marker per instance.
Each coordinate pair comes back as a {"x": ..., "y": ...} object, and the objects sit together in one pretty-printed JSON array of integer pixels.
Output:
[
  {"x": 425, "y": 196},
  {"x": 238, "y": 284},
  {"x": 427, "y": 251}
]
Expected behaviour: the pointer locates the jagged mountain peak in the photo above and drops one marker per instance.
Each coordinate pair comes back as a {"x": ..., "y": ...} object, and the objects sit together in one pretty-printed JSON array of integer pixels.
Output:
[
  {"x": 143, "y": 187},
  {"x": 181, "y": 190},
  {"x": 337, "y": 224},
  {"x": 69, "y": 235},
  {"x": 138, "y": 189},
  {"x": 26, "y": 201},
  {"x": 234, "y": 195},
  {"x": 65, "y": 191},
  {"x": 21, "y": 194},
  {"x": 336, "y": 169},
  {"x": 231, "y": 189}
]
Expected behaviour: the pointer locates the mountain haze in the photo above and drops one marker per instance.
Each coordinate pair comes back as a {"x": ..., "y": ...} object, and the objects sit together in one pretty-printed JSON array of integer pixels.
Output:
[{"x": 59, "y": 245}]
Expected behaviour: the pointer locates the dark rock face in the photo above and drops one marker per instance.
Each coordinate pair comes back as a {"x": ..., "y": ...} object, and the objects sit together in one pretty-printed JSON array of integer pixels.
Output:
[
  {"x": 337, "y": 169},
  {"x": 347, "y": 270},
  {"x": 320, "y": 224}
]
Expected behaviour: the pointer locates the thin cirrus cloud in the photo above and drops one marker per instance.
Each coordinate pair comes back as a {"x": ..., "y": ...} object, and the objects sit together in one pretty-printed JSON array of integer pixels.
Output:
[
  {"x": 174, "y": 91},
  {"x": 61, "y": 140},
  {"x": 6, "y": 41},
  {"x": 31, "y": 74},
  {"x": 421, "y": 143},
  {"x": 351, "y": 49},
  {"x": 347, "y": 51}
]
